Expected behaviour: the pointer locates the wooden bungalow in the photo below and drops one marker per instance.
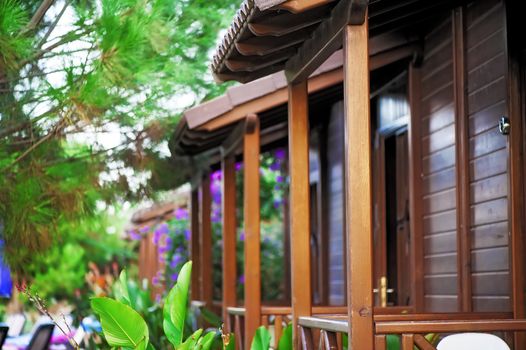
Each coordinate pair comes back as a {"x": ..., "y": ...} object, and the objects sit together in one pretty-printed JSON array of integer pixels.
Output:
[{"x": 405, "y": 161}]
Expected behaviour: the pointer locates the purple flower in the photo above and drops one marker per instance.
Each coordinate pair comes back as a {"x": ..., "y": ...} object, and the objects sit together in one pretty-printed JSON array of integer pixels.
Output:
[
  {"x": 144, "y": 229},
  {"x": 174, "y": 276},
  {"x": 239, "y": 166},
  {"x": 162, "y": 228},
  {"x": 134, "y": 235},
  {"x": 277, "y": 203},
  {"x": 158, "y": 298},
  {"x": 181, "y": 214},
  {"x": 275, "y": 166},
  {"x": 279, "y": 179},
  {"x": 156, "y": 238},
  {"x": 241, "y": 279},
  {"x": 280, "y": 154},
  {"x": 163, "y": 249},
  {"x": 176, "y": 260},
  {"x": 187, "y": 234},
  {"x": 216, "y": 175},
  {"x": 242, "y": 236},
  {"x": 155, "y": 280}
]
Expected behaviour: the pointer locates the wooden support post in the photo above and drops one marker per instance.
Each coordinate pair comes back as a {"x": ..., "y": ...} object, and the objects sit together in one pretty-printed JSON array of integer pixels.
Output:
[
  {"x": 358, "y": 187},
  {"x": 195, "y": 245},
  {"x": 299, "y": 204},
  {"x": 228, "y": 166},
  {"x": 206, "y": 241},
  {"x": 517, "y": 147},
  {"x": 462, "y": 165},
  {"x": 251, "y": 149}
]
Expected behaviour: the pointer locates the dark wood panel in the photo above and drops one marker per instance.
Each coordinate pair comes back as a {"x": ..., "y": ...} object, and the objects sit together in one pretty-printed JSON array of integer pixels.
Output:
[
  {"x": 477, "y": 9},
  {"x": 439, "y": 181},
  {"x": 484, "y": 27},
  {"x": 441, "y": 243},
  {"x": 439, "y": 201},
  {"x": 440, "y": 54},
  {"x": 490, "y": 235},
  {"x": 440, "y": 264},
  {"x": 488, "y": 212},
  {"x": 489, "y": 188},
  {"x": 440, "y": 285},
  {"x": 489, "y": 71},
  {"x": 440, "y": 303},
  {"x": 439, "y": 119},
  {"x": 441, "y": 222},
  {"x": 487, "y": 118},
  {"x": 487, "y": 96},
  {"x": 490, "y": 304},
  {"x": 486, "y": 49},
  {"x": 440, "y": 33},
  {"x": 438, "y": 100},
  {"x": 491, "y": 284},
  {"x": 487, "y": 142},
  {"x": 437, "y": 78},
  {"x": 439, "y": 160},
  {"x": 438, "y": 140},
  {"x": 491, "y": 259},
  {"x": 489, "y": 165}
]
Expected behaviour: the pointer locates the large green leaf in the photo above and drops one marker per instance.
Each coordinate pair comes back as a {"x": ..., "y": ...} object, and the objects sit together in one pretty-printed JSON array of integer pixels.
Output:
[
  {"x": 207, "y": 340},
  {"x": 120, "y": 289},
  {"x": 191, "y": 341},
  {"x": 261, "y": 339},
  {"x": 285, "y": 342},
  {"x": 176, "y": 303},
  {"x": 229, "y": 342},
  {"x": 122, "y": 326}
]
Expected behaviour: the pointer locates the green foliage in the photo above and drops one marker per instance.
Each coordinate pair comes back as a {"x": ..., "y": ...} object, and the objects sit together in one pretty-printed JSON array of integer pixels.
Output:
[
  {"x": 261, "y": 340},
  {"x": 115, "y": 67},
  {"x": 122, "y": 326},
  {"x": 59, "y": 272},
  {"x": 285, "y": 342},
  {"x": 176, "y": 305},
  {"x": 121, "y": 333}
]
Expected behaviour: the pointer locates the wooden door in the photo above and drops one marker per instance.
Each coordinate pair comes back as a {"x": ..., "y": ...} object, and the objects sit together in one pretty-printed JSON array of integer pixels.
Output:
[{"x": 392, "y": 238}]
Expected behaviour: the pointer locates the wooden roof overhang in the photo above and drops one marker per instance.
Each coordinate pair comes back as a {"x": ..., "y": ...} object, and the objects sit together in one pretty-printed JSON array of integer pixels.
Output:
[
  {"x": 203, "y": 128},
  {"x": 298, "y": 35}
]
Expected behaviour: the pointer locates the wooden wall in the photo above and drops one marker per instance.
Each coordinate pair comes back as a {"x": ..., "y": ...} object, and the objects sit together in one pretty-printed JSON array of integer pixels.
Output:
[
  {"x": 487, "y": 214},
  {"x": 438, "y": 170},
  {"x": 486, "y": 90}
]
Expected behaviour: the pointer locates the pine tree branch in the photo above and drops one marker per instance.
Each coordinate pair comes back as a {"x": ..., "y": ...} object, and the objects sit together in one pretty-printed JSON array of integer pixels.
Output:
[{"x": 38, "y": 16}]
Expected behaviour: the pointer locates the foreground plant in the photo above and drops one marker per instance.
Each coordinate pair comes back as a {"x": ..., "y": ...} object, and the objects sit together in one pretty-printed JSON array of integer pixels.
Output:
[
  {"x": 123, "y": 327},
  {"x": 262, "y": 338}
]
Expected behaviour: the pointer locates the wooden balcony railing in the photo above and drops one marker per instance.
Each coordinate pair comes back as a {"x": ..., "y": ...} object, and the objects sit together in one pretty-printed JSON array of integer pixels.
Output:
[
  {"x": 273, "y": 317},
  {"x": 412, "y": 332}
]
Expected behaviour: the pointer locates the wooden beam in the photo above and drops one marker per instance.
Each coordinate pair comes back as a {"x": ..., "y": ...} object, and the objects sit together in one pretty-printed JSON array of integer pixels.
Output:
[
  {"x": 232, "y": 143},
  {"x": 205, "y": 240},
  {"x": 298, "y": 6},
  {"x": 251, "y": 150},
  {"x": 299, "y": 204},
  {"x": 415, "y": 189},
  {"x": 228, "y": 167},
  {"x": 462, "y": 163},
  {"x": 195, "y": 245},
  {"x": 326, "y": 39},
  {"x": 358, "y": 187}
]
